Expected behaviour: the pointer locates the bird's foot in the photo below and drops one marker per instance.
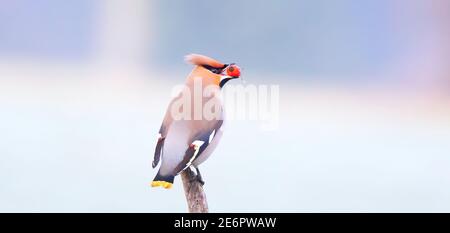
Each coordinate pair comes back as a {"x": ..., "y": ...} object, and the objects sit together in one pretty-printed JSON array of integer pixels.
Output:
[
  {"x": 200, "y": 180},
  {"x": 197, "y": 177}
]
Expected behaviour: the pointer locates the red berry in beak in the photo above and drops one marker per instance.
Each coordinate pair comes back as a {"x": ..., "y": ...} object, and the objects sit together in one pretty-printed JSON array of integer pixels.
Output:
[{"x": 234, "y": 71}]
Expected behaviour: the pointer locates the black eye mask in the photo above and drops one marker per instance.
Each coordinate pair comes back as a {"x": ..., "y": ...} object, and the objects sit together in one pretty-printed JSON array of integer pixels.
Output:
[{"x": 215, "y": 70}]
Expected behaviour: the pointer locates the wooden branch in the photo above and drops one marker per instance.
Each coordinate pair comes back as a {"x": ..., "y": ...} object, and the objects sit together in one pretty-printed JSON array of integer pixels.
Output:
[{"x": 195, "y": 196}]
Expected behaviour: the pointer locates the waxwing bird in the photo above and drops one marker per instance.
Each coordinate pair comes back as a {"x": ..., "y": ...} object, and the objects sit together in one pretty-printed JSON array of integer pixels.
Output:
[{"x": 188, "y": 141}]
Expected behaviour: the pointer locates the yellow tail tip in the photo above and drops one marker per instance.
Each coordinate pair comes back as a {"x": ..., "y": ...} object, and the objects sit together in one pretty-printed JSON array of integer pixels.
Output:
[
  {"x": 165, "y": 184},
  {"x": 156, "y": 183}
]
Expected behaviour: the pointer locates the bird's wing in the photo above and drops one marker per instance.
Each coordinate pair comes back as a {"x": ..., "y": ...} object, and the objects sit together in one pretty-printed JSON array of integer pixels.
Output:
[
  {"x": 162, "y": 136},
  {"x": 198, "y": 144},
  {"x": 158, "y": 150}
]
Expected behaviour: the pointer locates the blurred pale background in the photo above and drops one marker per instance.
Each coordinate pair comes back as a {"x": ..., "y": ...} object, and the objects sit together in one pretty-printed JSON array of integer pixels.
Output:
[{"x": 364, "y": 104}]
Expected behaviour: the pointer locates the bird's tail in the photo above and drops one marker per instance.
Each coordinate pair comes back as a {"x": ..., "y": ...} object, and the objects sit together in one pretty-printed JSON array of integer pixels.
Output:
[{"x": 163, "y": 181}]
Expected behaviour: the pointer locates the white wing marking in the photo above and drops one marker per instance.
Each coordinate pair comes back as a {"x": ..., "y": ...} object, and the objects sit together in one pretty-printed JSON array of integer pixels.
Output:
[
  {"x": 197, "y": 144},
  {"x": 212, "y": 136}
]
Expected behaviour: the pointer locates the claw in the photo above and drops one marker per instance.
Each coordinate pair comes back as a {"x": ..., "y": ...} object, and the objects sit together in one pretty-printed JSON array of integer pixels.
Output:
[
  {"x": 196, "y": 176},
  {"x": 202, "y": 182}
]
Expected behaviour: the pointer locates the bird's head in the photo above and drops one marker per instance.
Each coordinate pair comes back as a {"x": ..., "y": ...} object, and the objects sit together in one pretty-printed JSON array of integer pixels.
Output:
[
  {"x": 226, "y": 71},
  {"x": 230, "y": 71}
]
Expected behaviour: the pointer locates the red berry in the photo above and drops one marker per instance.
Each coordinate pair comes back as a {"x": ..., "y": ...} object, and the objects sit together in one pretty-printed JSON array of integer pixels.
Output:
[{"x": 234, "y": 71}]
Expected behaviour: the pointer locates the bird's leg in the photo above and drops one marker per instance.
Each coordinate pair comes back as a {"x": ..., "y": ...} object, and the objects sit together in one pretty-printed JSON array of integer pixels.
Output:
[{"x": 198, "y": 176}]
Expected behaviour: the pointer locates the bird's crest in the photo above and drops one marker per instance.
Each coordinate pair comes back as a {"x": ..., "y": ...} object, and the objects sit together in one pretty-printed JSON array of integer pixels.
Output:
[{"x": 200, "y": 60}]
